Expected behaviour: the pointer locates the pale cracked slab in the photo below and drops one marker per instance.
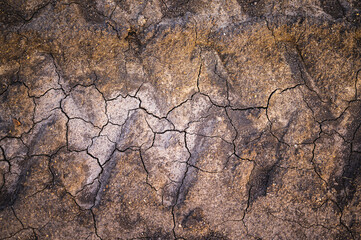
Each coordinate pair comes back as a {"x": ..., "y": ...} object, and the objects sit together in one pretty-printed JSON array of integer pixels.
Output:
[
  {"x": 86, "y": 103},
  {"x": 166, "y": 164},
  {"x": 80, "y": 134},
  {"x": 136, "y": 132},
  {"x": 45, "y": 105},
  {"x": 101, "y": 148},
  {"x": 112, "y": 131},
  {"x": 118, "y": 109}
]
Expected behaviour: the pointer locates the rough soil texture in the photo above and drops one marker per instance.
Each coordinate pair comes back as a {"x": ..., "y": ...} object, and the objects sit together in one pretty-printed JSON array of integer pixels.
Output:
[{"x": 180, "y": 119}]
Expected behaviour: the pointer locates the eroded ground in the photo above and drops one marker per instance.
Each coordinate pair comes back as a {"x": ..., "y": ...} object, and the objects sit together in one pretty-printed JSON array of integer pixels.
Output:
[{"x": 172, "y": 119}]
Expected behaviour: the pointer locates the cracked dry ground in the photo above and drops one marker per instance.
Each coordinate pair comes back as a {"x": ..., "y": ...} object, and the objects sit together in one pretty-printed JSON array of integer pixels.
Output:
[{"x": 161, "y": 119}]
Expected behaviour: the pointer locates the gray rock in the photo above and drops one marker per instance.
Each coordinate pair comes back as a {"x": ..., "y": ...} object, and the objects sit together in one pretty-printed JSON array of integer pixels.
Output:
[
  {"x": 102, "y": 148},
  {"x": 79, "y": 104},
  {"x": 47, "y": 103},
  {"x": 80, "y": 134},
  {"x": 118, "y": 109}
]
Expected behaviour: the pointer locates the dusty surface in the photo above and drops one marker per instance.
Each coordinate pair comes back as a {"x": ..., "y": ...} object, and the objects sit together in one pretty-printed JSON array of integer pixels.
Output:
[{"x": 172, "y": 119}]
